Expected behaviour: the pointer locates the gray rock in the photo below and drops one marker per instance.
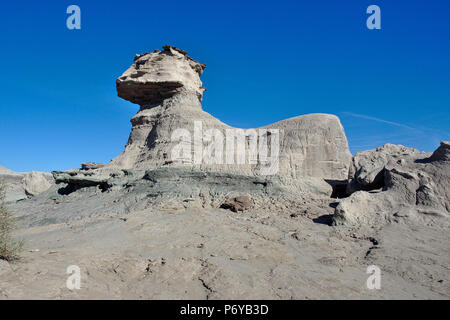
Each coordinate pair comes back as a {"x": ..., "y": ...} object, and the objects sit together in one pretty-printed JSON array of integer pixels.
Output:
[
  {"x": 35, "y": 182},
  {"x": 367, "y": 168},
  {"x": 442, "y": 153},
  {"x": 397, "y": 180},
  {"x": 91, "y": 166},
  {"x": 20, "y": 185}
]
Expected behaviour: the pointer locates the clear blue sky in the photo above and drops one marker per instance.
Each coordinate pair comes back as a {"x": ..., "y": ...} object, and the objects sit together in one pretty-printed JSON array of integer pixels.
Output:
[{"x": 266, "y": 61}]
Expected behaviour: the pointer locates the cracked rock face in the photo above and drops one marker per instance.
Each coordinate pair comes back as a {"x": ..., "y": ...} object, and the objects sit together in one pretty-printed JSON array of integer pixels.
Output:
[
  {"x": 366, "y": 171},
  {"x": 393, "y": 182}
]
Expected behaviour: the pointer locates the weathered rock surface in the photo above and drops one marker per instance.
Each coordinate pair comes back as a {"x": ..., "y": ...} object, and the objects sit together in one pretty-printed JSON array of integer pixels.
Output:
[
  {"x": 160, "y": 234},
  {"x": 36, "y": 182},
  {"x": 79, "y": 192},
  {"x": 15, "y": 190},
  {"x": 367, "y": 168},
  {"x": 282, "y": 251},
  {"x": 156, "y": 76},
  {"x": 91, "y": 166},
  {"x": 442, "y": 154},
  {"x": 399, "y": 182},
  {"x": 20, "y": 185}
]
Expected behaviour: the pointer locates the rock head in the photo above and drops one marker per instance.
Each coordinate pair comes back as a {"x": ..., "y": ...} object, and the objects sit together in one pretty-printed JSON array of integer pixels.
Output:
[{"x": 159, "y": 75}]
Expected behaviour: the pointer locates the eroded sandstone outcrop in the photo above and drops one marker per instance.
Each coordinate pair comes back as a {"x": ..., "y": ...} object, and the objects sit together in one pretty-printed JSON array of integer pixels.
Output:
[
  {"x": 166, "y": 84},
  {"x": 310, "y": 152},
  {"x": 394, "y": 182},
  {"x": 367, "y": 167},
  {"x": 20, "y": 185},
  {"x": 384, "y": 184}
]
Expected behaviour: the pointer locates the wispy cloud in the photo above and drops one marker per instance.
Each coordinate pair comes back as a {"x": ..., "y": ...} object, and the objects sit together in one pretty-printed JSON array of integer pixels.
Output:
[
  {"x": 417, "y": 136},
  {"x": 392, "y": 123}
]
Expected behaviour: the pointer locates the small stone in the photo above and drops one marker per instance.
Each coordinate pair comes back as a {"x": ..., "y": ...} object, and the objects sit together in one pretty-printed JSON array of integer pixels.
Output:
[
  {"x": 239, "y": 203},
  {"x": 91, "y": 166}
]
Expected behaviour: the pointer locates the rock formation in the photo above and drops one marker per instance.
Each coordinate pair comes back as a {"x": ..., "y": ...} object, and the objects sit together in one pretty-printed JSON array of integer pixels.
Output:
[
  {"x": 309, "y": 154},
  {"x": 367, "y": 168},
  {"x": 166, "y": 84},
  {"x": 91, "y": 166},
  {"x": 391, "y": 182},
  {"x": 21, "y": 185},
  {"x": 313, "y": 156}
]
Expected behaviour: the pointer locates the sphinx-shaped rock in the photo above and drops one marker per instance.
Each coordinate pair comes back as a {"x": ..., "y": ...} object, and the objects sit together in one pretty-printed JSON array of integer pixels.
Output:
[{"x": 166, "y": 85}]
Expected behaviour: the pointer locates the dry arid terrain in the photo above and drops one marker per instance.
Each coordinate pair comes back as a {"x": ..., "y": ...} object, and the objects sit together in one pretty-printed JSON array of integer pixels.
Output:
[
  {"x": 161, "y": 222},
  {"x": 217, "y": 254}
]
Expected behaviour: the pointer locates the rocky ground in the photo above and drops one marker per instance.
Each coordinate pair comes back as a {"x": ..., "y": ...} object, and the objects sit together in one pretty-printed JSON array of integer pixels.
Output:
[{"x": 199, "y": 253}]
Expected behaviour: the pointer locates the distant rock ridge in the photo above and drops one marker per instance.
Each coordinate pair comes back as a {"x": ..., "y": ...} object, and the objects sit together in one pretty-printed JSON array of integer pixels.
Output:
[{"x": 21, "y": 185}]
